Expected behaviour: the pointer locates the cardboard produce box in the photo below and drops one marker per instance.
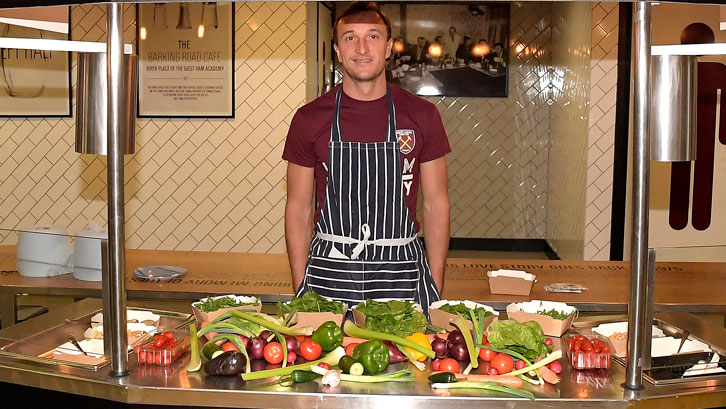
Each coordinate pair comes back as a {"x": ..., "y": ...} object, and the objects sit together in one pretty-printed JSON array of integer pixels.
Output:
[
  {"x": 511, "y": 282},
  {"x": 202, "y": 316},
  {"x": 443, "y": 319},
  {"x": 526, "y": 311}
]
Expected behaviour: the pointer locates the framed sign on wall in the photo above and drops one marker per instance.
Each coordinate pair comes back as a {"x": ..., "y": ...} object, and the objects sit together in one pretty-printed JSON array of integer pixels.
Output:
[
  {"x": 34, "y": 82},
  {"x": 186, "y": 59}
]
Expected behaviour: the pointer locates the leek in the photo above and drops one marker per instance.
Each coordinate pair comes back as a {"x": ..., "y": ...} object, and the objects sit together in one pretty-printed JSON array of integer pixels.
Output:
[
  {"x": 358, "y": 332},
  {"x": 486, "y": 386},
  {"x": 460, "y": 323},
  {"x": 331, "y": 359}
]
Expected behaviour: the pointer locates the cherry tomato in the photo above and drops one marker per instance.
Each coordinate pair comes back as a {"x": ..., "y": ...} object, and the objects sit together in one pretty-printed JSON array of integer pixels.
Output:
[
  {"x": 503, "y": 363},
  {"x": 159, "y": 341},
  {"x": 349, "y": 349},
  {"x": 273, "y": 352},
  {"x": 169, "y": 335},
  {"x": 581, "y": 338},
  {"x": 137, "y": 349},
  {"x": 486, "y": 354},
  {"x": 449, "y": 365},
  {"x": 310, "y": 350},
  {"x": 604, "y": 349},
  {"x": 436, "y": 365},
  {"x": 228, "y": 346},
  {"x": 157, "y": 358},
  {"x": 587, "y": 347},
  {"x": 571, "y": 344},
  {"x": 596, "y": 350}
]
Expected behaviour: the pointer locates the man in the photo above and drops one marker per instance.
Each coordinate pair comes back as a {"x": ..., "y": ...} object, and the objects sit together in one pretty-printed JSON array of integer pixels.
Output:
[
  {"x": 452, "y": 41},
  {"x": 419, "y": 52},
  {"x": 365, "y": 146}
]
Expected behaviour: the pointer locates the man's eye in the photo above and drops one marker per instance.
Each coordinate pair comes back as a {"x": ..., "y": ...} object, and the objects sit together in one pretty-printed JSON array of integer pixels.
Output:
[
  {"x": 350, "y": 38},
  {"x": 374, "y": 36}
]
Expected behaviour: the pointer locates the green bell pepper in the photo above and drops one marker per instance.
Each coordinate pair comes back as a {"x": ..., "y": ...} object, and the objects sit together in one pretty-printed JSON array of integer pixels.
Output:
[
  {"x": 373, "y": 355},
  {"x": 329, "y": 336}
]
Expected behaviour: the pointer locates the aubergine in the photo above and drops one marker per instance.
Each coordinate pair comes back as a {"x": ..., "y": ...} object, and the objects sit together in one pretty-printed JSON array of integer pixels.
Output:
[{"x": 226, "y": 364}]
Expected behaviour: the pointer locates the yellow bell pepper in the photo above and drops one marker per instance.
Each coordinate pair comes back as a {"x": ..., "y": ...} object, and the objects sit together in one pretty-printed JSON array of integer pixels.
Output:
[{"x": 420, "y": 339}]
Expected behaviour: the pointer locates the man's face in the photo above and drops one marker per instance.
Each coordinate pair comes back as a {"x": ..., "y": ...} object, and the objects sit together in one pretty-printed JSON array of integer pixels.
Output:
[
  {"x": 421, "y": 42},
  {"x": 362, "y": 48},
  {"x": 452, "y": 30},
  {"x": 498, "y": 49}
]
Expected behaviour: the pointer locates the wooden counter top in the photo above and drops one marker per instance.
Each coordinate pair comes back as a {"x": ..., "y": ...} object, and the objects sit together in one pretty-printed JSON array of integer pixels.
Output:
[{"x": 679, "y": 286}]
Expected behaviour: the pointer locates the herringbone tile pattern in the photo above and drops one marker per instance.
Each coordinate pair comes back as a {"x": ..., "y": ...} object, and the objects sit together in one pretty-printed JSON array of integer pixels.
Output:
[
  {"x": 603, "y": 93},
  {"x": 193, "y": 184}
]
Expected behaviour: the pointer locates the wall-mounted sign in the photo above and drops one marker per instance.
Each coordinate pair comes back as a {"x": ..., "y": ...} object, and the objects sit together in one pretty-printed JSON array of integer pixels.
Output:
[
  {"x": 35, "y": 82},
  {"x": 186, "y": 59}
]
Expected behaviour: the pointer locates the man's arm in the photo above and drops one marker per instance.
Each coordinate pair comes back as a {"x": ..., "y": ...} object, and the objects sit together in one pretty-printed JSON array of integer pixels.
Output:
[
  {"x": 298, "y": 219},
  {"x": 435, "y": 189}
]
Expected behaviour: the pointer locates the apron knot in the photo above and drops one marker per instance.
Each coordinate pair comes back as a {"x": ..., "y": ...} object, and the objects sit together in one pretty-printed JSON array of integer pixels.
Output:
[{"x": 366, "y": 230}]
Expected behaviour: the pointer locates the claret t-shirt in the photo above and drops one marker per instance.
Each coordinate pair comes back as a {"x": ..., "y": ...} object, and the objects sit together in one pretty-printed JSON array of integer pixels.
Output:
[{"x": 419, "y": 129}]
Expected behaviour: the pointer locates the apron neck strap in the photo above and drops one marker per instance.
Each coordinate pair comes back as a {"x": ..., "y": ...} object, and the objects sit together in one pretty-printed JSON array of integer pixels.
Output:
[{"x": 335, "y": 133}]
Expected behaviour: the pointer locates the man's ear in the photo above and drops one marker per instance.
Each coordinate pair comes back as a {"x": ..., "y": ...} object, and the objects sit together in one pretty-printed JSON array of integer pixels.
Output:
[{"x": 389, "y": 46}]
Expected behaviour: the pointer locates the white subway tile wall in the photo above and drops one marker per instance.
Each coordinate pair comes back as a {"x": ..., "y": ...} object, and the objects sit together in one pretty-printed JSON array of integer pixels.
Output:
[
  {"x": 601, "y": 135},
  {"x": 193, "y": 184}
]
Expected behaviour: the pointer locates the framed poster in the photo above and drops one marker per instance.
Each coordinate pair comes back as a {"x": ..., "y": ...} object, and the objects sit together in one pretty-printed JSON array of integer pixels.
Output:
[
  {"x": 450, "y": 49},
  {"x": 186, "y": 59},
  {"x": 35, "y": 83}
]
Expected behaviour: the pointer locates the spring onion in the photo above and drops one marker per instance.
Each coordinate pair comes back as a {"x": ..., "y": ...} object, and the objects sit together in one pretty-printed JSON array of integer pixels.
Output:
[
  {"x": 398, "y": 376},
  {"x": 358, "y": 332},
  {"x": 553, "y": 356},
  {"x": 486, "y": 386},
  {"x": 331, "y": 359}
]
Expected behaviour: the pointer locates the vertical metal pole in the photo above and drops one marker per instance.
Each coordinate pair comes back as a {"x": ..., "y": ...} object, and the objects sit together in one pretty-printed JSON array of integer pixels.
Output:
[
  {"x": 641, "y": 182},
  {"x": 117, "y": 239},
  {"x": 649, "y": 304}
]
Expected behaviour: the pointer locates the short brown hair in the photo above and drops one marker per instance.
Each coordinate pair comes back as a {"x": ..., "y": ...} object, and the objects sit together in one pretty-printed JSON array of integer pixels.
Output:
[{"x": 362, "y": 8}]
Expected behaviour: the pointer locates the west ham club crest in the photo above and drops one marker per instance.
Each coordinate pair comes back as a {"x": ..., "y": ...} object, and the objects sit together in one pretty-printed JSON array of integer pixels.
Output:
[{"x": 406, "y": 140}]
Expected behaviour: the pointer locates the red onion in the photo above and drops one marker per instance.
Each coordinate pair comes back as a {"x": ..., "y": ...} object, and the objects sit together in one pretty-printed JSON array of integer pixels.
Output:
[
  {"x": 459, "y": 351},
  {"x": 293, "y": 345},
  {"x": 394, "y": 353},
  {"x": 455, "y": 336},
  {"x": 256, "y": 348},
  {"x": 440, "y": 347}
]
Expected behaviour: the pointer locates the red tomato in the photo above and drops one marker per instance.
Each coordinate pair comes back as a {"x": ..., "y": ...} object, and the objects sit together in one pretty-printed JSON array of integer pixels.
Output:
[
  {"x": 604, "y": 349},
  {"x": 503, "y": 363},
  {"x": 486, "y": 354},
  {"x": 169, "y": 335},
  {"x": 310, "y": 350},
  {"x": 273, "y": 353},
  {"x": 349, "y": 348},
  {"x": 159, "y": 341},
  {"x": 571, "y": 344},
  {"x": 581, "y": 338},
  {"x": 449, "y": 365},
  {"x": 228, "y": 346},
  {"x": 587, "y": 347}
]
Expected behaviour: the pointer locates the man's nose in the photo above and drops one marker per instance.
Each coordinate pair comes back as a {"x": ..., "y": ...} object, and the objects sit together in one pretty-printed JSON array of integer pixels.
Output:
[{"x": 361, "y": 47}]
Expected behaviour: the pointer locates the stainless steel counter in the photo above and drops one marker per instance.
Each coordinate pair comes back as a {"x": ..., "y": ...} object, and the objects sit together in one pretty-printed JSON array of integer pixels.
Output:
[{"x": 174, "y": 386}]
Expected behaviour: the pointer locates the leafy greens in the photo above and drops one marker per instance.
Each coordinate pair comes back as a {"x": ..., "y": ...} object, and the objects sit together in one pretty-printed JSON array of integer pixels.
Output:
[
  {"x": 311, "y": 302},
  {"x": 392, "y": 317},
  {"x": 213, "y": 304},
  {"x": 558, "y": 315},
  {"x": 525, "y": 338},
  {"x": 464, "y": 310}
]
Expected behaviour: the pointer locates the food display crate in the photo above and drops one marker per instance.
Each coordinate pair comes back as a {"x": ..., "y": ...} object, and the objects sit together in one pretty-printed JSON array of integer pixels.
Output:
[
  {"x": 151, "y": 355},
  {"x": 589, "y": 360}
]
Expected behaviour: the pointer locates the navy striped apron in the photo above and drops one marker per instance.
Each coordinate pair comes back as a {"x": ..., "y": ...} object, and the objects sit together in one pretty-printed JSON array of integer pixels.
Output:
[{"x": 366, "y": 246}]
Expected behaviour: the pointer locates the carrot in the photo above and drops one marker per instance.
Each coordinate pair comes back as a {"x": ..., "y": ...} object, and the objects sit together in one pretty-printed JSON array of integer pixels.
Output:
[
  {"x": 431, "y": 336},
  {"x": 353, "y": 340},
  {"x": 548, "y": 376},
  {"x": 507, "y": 380}
]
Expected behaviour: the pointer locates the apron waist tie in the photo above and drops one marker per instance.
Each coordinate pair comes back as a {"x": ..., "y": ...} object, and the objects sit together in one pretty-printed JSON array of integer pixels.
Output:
[{"x": 361, "y": 244}]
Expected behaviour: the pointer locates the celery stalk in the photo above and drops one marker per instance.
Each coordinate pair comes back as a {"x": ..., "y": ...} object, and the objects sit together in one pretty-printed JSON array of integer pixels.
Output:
[
  {"x": 358, "y": 332},
  {"x": 332, "y": 358},
  {"x": 460, "y": 323}
]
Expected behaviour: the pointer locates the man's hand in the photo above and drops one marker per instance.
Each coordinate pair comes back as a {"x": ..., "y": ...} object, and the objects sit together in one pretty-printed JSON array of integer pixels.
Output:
[
  {"x": 298, "y": 219},
  {"x": 435, "y": 189}
]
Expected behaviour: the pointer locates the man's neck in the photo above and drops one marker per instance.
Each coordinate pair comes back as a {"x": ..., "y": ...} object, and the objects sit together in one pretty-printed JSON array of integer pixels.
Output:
[{"x": 365, "y": 91}]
